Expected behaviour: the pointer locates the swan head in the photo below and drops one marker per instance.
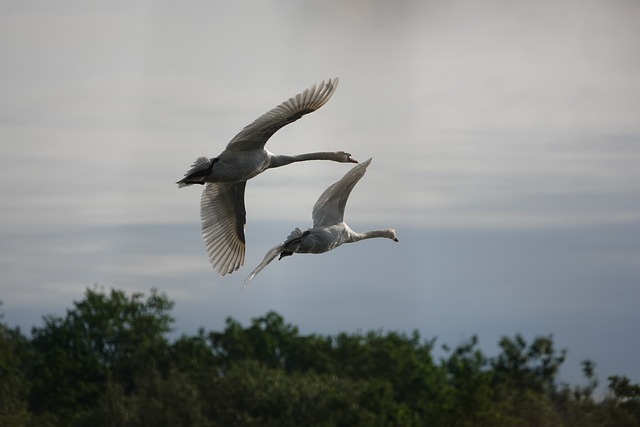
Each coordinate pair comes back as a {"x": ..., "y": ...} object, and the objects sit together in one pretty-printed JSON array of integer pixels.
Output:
[
  {"x": 345, "y": 157},
  {"x": 391, "y": 233}
]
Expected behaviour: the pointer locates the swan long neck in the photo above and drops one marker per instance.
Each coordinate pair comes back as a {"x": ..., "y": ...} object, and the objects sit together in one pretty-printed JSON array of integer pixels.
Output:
[
  {"x": 387, "y": 233},
  {"x": 283, "y": 160}
]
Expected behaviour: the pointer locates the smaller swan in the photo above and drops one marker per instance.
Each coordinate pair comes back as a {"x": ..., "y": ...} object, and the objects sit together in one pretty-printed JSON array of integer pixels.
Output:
[{"x": 329, "y": 229}]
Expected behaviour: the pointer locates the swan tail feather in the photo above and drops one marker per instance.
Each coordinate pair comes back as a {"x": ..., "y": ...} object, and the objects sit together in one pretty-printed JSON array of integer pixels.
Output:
[
  {"x": 199, "y": 170},
  {"x": 295, "y": 234}
]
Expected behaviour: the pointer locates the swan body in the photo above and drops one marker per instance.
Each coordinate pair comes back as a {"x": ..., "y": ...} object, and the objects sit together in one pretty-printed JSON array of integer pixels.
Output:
[
  {"x": 222, "y": 209},
  {"x": 329, "y": 229}
]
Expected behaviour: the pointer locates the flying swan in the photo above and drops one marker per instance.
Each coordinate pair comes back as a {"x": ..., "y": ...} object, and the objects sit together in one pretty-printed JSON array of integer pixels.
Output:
[
  {"x": 222, "y": 209},
  {"x": 329, "y": 229}
]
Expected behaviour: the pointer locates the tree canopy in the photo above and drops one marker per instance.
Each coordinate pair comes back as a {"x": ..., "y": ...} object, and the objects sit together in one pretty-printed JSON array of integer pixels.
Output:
[{"x": 108, "y": 362}]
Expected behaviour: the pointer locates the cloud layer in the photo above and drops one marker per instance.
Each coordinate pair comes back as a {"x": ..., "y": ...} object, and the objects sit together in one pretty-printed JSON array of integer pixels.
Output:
[{"x": 505, "y": 143}]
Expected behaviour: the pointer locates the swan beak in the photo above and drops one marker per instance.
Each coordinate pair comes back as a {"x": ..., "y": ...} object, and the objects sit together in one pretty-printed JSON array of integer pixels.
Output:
[
  {"x": 395, "y": 239},
  {"x": 351, "y": 159}
]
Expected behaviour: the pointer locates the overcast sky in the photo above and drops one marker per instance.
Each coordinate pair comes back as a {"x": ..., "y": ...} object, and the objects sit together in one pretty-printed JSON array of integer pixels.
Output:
[{"x": 505, "y": 139}]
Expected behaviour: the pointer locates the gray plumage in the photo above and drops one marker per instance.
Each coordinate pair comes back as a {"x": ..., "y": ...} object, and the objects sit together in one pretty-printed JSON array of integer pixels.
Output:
[
  {"x": 222, "y": 209},
  {"x": 329, "y": 229}
]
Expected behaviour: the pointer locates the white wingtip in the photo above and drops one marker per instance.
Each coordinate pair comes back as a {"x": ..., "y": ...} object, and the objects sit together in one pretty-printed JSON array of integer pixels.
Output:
[
  {"x": 270, "y": 256},
  {"x": 244, "y": 284}
]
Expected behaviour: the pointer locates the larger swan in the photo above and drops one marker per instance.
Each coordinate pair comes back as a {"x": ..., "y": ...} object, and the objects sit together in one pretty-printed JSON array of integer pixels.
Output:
[
  {"x": 329, "y": 229},
  {"x": 222, "y": 210}
]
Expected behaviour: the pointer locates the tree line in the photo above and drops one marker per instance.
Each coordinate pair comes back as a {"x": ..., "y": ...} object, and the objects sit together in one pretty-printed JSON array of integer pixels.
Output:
[{"x": 108, "y": 362}]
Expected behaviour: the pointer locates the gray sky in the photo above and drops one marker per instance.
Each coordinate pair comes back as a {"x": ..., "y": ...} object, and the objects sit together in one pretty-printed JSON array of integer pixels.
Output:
[{"x": 505, "y": 141}]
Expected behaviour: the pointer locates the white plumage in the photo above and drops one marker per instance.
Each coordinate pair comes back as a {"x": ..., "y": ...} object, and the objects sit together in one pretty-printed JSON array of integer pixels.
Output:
[
  {"x": 329, "y": 229},
  {"x": 222, "y": 209}
]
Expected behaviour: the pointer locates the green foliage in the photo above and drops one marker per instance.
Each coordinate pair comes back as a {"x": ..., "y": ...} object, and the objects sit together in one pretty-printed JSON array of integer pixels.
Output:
[
  {"x": 104, "y": 336},
  {"x": 157, "y": 400},
  {"x": 13, "y": 386},
  {"x": 529, "y": 367},
  {"x": 108, "y": 362},
  {"x": 253, "y": 394},
  {"x": 624, "y": 403}
]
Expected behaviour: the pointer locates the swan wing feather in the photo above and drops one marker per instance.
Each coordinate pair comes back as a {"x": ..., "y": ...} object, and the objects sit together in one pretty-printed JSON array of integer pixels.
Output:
[
  {"x": 256, "y": 134},
  {"x": 270, "y": 256},
  {"x": 223, "y": 217},
  {"x": 329, "y": 209},
  {"x": 273, "y": 253}
]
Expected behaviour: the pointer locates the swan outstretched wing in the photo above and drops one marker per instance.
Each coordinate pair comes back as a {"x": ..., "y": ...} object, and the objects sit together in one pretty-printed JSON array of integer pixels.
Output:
[
  {"x": 274, "y": 252},
  {"x": 270, "y": 256},
  {"x": 329, "y": 209},
  {"x": 223, "y": 218},
  {"x": 255, "y": 135}
]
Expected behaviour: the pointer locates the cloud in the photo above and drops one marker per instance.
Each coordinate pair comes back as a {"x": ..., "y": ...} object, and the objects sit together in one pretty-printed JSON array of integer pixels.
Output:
[
  {"x": 503, "y": 136},
  {"x": 460, "y": 106},
  {"x": 447, "y": 283}
]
